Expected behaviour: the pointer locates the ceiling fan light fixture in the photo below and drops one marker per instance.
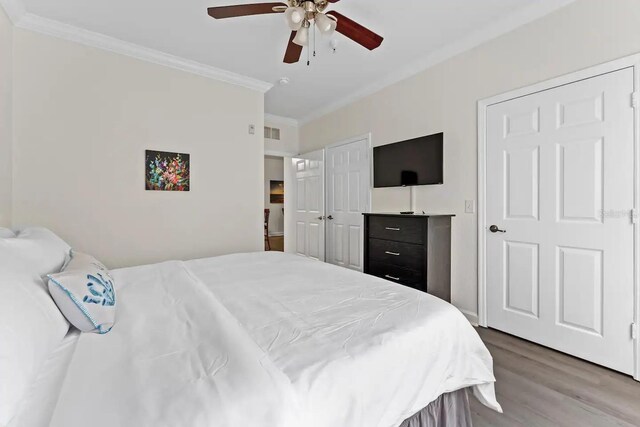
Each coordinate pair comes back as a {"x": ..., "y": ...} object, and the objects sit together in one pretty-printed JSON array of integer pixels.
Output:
[
  {"x": 302, "y": 37},
  {"x": 295, "y": 17},
  {"x": 326, "y": 24},
  {"x": 303, "y": 16}
]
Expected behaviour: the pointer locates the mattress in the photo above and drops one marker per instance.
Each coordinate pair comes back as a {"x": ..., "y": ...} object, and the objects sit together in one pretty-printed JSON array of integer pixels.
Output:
[{"x": 269, "y": 339}]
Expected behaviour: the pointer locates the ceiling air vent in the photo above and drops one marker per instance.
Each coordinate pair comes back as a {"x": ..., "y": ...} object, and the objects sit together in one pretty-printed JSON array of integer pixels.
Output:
[{"x": 271, "y": 133}]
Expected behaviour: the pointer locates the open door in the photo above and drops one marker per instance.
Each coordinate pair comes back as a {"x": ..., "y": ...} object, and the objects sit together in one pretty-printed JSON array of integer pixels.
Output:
[
  {"x": 348, "y": 197},
  {"x": 306, "y": 206}
]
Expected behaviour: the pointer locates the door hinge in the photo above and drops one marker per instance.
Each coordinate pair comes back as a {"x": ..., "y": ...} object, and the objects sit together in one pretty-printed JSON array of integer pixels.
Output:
[
  {"x": 634, "y": 331},
  {"x": 634, "y": 216},
  {"x": 634, "y": 99}
]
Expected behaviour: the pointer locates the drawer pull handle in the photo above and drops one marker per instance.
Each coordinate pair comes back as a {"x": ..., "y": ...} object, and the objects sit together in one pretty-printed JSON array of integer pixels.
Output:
[
  {"x": 392, "y": 253},
  {"x": 391, "y": 277},
  {"x": 392, "y": 229}
]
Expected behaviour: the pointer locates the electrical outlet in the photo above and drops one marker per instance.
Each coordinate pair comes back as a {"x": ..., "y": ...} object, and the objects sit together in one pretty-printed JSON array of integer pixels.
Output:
[
  {"x": 470, "y": 206},
  {"x": 252, "y": 129}
]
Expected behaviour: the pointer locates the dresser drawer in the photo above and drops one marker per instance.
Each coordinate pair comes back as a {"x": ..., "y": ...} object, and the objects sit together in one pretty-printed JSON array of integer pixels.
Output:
[
  {"x": 393, "y": 273},
  {"x": 410, "y": 230},
  {"x": 406, "y": 255}
]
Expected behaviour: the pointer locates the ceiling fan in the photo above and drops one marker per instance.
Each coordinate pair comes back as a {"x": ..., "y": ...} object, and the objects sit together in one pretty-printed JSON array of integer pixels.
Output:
[{"x": 300, "y": 15}]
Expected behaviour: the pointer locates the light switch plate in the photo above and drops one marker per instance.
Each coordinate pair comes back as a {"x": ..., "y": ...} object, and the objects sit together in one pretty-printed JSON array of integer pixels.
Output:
[
  {"x": 470, "y": 206},
  {"x": 252, "y": 129}
]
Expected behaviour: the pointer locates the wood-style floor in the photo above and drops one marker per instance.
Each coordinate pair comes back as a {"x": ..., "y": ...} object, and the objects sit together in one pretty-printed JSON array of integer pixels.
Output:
[
  {"x": 277, "y": 243},
  {"x": 537, "y": 386}
]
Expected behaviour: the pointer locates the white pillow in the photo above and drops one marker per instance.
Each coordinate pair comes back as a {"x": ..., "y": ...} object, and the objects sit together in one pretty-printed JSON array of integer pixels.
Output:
[
  {"x": 36, "y": 250},
  {"x": 85, "y": 294},
  {"x": 6, "y": 233},
  {"x": 31, "y": 326}
]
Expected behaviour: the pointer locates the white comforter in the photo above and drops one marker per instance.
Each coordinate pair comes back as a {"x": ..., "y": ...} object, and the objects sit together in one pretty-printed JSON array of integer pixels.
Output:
[{"x": 269, "y": 340}]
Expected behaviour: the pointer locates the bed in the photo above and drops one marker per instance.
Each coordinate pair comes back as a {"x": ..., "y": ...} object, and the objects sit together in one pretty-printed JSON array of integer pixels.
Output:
[
  {"x": 271, "y": 339},
  {"x": 259, "y": 339}
]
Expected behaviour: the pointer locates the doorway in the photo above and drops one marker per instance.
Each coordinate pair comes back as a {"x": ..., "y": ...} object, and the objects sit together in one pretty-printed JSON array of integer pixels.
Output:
[
  {"x": 274, "y": 191},
  {"x": 331, "y": 189}
]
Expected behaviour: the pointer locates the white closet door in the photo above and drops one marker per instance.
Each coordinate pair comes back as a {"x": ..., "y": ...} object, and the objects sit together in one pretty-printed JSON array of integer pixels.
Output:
[
  {"x": 560, "y": 173},
  {"x": 309, "y": 205},
  {"x": 348, "y": 193}
]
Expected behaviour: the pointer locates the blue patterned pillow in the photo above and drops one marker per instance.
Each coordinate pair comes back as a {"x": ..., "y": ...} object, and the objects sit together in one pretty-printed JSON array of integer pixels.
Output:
[{"x": 85, "y": 294}]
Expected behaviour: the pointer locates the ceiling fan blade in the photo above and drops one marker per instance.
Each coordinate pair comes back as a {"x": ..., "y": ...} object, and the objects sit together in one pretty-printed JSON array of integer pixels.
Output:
[
  {"x": 292, "y": 55},
  {"x": 244, "y": 10},
  {"x": 333, "y": 1},
  {"x": 356, "y": 32}
]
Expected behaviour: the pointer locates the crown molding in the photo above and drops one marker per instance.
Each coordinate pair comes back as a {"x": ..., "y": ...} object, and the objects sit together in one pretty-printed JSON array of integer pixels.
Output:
[
  {"x": 281, "y": 120},
  {"x": 483, "y": 35},
  {"x": 14, "y": 9},
  {"x": 28, "y": 21},
  {"x": 89, "y": 38}
]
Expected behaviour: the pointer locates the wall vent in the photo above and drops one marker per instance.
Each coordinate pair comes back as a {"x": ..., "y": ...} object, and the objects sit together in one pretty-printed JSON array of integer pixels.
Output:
[{"x": 272, "y": 133}]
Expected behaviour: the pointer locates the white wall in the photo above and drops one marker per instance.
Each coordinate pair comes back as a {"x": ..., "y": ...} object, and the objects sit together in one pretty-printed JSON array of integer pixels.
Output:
[
  {"x": 274, "y": 171},
  {"x": 6, "y": 54},
  {"x": 444, "y": 98},
  {"x": 83, "y": 118},
  {"x": 289, "y": 142}
]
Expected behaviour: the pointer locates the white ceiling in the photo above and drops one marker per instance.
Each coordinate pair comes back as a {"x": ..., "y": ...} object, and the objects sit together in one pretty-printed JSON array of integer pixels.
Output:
[{"x": 415, "y": 31}]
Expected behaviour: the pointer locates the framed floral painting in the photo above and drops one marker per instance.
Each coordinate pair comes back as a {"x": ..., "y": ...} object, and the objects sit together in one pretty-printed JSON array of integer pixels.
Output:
[{"x": 165, "y": 171}]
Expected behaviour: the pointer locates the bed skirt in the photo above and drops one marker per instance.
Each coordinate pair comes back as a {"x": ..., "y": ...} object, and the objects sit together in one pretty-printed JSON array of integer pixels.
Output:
[{"x": 448, "y": 410}]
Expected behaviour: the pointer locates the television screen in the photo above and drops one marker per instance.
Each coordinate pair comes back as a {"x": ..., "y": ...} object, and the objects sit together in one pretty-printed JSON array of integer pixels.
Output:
[{"x": 418, "y": 161}]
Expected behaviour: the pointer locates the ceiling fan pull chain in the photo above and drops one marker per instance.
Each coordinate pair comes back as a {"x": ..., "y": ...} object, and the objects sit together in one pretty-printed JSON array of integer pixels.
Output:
[
  {"x": 309, "y": 45},
  {"x": 314, "y": 39}
]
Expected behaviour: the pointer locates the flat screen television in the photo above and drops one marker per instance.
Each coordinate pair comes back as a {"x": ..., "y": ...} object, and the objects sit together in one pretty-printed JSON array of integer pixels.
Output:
[{"x": 418, "y": 161}]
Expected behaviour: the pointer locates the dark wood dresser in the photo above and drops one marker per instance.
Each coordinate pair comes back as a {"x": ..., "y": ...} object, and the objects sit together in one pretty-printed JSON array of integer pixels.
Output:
[{"x": 413, "y": 250}]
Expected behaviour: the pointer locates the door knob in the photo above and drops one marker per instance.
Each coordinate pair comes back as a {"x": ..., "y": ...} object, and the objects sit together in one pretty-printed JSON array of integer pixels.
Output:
[
  {"x": 320, "y": 218},
  {"x": 330, "y": 217},
  {"x": 495, "y": 229}
]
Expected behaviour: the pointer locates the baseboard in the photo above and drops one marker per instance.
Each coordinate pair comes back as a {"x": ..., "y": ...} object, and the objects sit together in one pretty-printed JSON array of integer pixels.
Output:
[{"x": 471, "y": 317}]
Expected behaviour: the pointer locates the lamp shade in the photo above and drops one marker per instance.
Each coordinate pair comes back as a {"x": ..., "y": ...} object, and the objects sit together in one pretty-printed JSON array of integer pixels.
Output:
[
  {"x": 302, "y": 37},
  {"x": 325, "y": 24},
  {"x": 294, "y": 17}
]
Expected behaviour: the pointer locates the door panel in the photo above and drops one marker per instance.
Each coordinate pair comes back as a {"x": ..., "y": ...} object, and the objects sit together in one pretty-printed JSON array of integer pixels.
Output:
[
  {"x": 314, "y": 241},
  {"x": 521, "y": 122},
  {"x": 581, "y": 111},
  {"x": 301, "y": 238},
  {"x": 348, "y": 177},
  {"x": 560, "y": 170},
  {"x": 522, "y": 166},
  {"x": 580, "y": 289},
  {"x": 521, "y": 278},
  {"x": 309, "y": 204},
  {"x": 581, "y": 181},
  {"x": 337, "y": 241},
  {"x": 355, "y": 247}
]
